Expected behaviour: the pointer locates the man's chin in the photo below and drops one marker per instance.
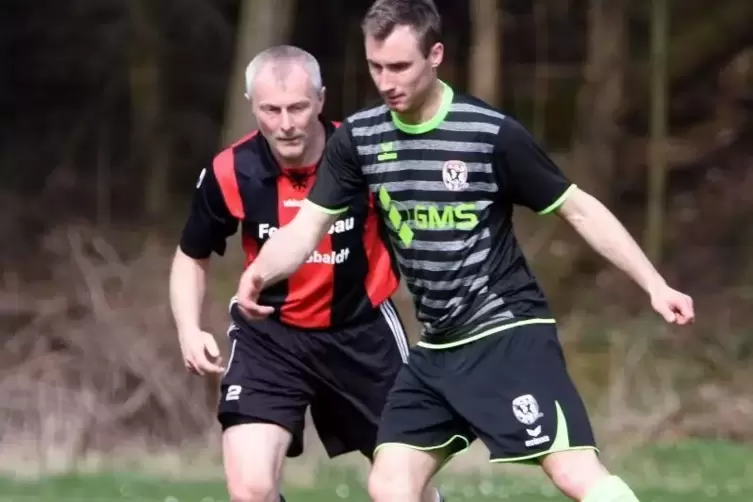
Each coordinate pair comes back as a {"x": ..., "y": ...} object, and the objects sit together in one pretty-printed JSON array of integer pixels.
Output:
[
  {"x": 289, "y": 153},
  {"x": 399, "y": 107}
]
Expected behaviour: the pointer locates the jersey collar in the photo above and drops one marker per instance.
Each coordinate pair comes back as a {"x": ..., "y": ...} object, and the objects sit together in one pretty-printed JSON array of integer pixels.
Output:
[{"x": 269, "y": 166}]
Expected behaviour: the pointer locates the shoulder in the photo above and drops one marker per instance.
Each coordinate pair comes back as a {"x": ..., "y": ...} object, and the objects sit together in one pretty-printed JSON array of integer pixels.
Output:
[
  {"x": 472, "y": 109},
  {"x": 374, "y": 113},
  {"x": 507, "y": 129},
  {"x": 245, "y": 156}
]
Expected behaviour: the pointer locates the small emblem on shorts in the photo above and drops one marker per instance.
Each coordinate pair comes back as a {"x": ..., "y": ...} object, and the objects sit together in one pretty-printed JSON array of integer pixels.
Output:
[
  {"x": 455, "y": 175},
  {"x": 526, "y": 409}
]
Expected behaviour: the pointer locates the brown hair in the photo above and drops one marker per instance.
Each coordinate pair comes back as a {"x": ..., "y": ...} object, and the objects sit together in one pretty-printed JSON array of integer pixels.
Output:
[{"x": 421, "y": 15}]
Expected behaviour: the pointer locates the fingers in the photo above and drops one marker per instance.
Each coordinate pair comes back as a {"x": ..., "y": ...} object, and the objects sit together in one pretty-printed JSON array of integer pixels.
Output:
[
  {"x": 685, "y": 311},
  {"x": 208, "y": 363},
  {"x": 249, "y": 288},
  {"x": 202, "y": 362},
  {"x": 253, "y": 311},
  {"x": 211, "y": 348},
  {"x": 666, "y": 312},
  {"x": 250, "y": 285}
]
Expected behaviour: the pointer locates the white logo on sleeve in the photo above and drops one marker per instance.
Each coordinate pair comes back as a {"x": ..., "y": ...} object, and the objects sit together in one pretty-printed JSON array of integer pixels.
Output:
[{"x": 201, "y": 177}]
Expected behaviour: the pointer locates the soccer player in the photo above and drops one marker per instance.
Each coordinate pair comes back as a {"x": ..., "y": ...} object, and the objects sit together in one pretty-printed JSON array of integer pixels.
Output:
[
  {"x": 447, "y": 170},
  {"x": 335, "y": 342}
]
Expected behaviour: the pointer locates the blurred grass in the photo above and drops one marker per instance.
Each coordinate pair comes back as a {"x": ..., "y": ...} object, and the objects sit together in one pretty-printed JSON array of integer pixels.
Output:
[{"x": 689, "y": 471}]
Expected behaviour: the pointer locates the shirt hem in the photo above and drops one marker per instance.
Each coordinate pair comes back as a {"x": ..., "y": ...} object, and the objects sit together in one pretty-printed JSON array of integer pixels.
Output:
[{"x": 485, "y": 333}]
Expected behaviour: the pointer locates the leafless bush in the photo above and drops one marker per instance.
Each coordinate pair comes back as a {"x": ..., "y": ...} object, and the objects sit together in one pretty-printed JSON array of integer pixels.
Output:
[
  {"x": 95, "y": 363},
  {"x": 658, "y": 387}
]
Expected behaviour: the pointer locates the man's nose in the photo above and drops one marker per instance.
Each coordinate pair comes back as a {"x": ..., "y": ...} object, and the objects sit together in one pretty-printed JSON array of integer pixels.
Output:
[
  {"x": 385, "y": 82},
  {"x": 286, "y": 122}
]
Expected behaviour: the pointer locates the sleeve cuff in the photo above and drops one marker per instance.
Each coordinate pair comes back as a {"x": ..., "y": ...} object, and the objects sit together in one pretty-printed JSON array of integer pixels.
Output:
[
  {"x": 560, "y": 200},
  {"x": 325, "y": 209}
]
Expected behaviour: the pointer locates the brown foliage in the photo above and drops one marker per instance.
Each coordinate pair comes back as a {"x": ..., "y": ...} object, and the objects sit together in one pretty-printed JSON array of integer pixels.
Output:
[{"x": 95, "y": 363}]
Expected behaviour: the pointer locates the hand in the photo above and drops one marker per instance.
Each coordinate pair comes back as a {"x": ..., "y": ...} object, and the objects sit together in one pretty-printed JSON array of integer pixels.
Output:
[
  {"x": 249, "y": 289},
  {"x": 200, "y": 352},
  {"x": 673, "y": 306}
]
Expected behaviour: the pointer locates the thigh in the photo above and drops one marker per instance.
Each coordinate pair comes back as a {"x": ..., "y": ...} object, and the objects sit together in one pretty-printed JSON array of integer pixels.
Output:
[
  {"x": 520, "y": 399},
  {"x": 253, "y": 456},
  {"x": 264, "y": 382},
  {"x": 418, "y": 417},
  {"x": 358, "y": 367}
]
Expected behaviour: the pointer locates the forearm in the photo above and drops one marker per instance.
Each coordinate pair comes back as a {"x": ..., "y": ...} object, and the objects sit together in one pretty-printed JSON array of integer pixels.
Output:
[
  {"x": 284, "y": 253},
  {"x": 604, "y": 232},
  {"x": 187, "y": 289}
]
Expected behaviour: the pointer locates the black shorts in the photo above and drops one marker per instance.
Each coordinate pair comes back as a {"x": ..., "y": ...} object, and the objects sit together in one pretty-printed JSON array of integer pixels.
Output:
[
  {"x": 275, "y": 372},
  {"x": 511, "y": 390}
]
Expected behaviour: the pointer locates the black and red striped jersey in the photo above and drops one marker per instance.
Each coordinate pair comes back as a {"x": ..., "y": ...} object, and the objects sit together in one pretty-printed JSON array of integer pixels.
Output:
[{"x": 346, "y": 278}]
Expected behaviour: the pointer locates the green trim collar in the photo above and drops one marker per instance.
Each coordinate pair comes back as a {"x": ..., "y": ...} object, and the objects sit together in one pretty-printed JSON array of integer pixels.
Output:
[{"x": 432, "y": 123}]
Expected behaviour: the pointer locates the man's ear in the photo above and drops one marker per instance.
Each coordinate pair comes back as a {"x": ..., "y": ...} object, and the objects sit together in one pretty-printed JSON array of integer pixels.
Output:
[
  {"x": 322, "y": 95},
  {"x": 436, "y": 54}
]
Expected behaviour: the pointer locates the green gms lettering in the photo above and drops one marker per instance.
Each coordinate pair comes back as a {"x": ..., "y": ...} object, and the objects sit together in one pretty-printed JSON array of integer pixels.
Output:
[
  {"x": 456, "y": 216},
  {"x": 387, "y": 152},
  {"x": 428, "y": 217},
  {"x": 393, "y": 214}
]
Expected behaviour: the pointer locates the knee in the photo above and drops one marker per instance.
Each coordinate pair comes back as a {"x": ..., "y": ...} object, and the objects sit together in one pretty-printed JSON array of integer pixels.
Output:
[
  {"x": 575, "y": 473},
  {"x": 389, "y": 485},
  {"x": 252, "y": 490}
]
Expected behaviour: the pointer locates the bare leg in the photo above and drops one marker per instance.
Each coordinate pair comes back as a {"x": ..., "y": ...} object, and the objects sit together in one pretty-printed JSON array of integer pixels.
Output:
[
  {"x": 580, "y": 475},
  {"x": 402, "y": 474},
  {"x": 254, "y": 455}
]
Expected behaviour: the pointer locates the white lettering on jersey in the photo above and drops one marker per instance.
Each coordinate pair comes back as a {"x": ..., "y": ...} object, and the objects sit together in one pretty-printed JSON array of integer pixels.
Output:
[
  {"x": 333, "y": 258},
  {"x": 292, "y": 203},
  {"x": 339, "y": 227}
]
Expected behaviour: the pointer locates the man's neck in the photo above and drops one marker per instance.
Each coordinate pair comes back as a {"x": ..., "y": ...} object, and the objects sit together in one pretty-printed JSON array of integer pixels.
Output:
[
  {"x": 311, "y": 154},
  {"x": 428, "y": 109}
]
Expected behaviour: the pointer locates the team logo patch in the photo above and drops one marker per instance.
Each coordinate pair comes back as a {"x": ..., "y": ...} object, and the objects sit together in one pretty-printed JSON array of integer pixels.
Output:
[
  {"x": 526, "y": 409},
  {"x": 455, "y": 175}
]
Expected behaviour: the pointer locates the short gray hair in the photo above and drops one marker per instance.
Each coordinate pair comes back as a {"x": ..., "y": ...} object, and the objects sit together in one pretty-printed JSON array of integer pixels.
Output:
[{"x": 283, "y": 54}]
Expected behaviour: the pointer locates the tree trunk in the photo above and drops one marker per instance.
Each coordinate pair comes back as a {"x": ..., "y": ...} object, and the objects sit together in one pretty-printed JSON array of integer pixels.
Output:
[
  {"x": 149, "y": 142},
  {"x": 486, "y": 33},
  {"x": 723, "y": 30},
  {"x": 657, "y": 164},
  {"x": 262, "y": 24},
  {"x": 541, "y": 77},
  {"x": 598, "y": 136}
]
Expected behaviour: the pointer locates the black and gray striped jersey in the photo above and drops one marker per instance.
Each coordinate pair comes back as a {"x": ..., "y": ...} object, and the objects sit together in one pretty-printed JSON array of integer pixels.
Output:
[{"x": 446, "y": 190}]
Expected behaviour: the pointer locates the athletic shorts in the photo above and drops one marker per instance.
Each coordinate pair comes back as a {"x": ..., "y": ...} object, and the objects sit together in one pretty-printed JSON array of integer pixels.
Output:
[
  {"x": 511, "y": 390},
  {"x": 275, "y": 372}
]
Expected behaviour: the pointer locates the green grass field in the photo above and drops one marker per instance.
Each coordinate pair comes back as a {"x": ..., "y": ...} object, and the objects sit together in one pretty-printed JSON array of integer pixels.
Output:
[{"x": 687, "y": 472}]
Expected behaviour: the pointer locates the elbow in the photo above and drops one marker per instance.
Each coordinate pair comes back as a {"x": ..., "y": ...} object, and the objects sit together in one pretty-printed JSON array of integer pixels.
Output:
[
  {"x": 580, "y": 207},
  {"x": 183, "y": 260}
]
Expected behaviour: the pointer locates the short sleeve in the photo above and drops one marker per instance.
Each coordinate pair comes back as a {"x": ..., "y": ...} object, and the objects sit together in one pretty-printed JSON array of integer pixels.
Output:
[
  {"x": 527, "y": 174},
  {"x": 209, "y": 222},
  {"x": 339, "y": 178}
]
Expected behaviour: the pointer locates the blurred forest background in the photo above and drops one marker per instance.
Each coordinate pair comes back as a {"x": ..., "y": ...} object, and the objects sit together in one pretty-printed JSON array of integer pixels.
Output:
[{"x": 111, "y": 108}]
